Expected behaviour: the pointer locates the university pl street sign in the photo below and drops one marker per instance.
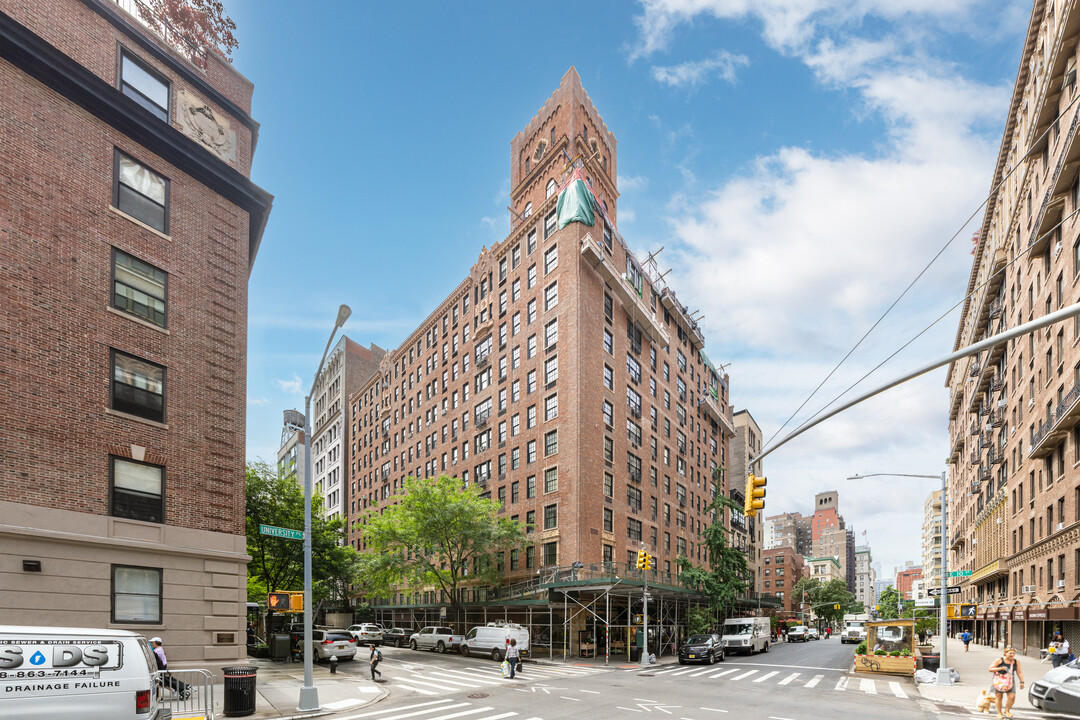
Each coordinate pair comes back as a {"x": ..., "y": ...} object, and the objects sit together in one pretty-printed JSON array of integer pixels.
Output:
[{"x": 273, "y": 531}]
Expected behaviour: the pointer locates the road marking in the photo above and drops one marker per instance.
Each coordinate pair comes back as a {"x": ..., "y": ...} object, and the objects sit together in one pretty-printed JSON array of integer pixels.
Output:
[
  {"x": 723, "y": 673},
  {"x": 683, "y": 672},
  {"x": 591, "y": 692},
  {"x": 745, "y": 675},
  {"x": 841, "y": 684},
  {"x": 897, "y": 690},
  {"x": 774, "y": 717},
  {"x": 456, "y": 681},
  {"x": 620, "y": 707},
  {"x": 463, "y": 713},
  {"x": 702, "y": 672},
  {"x": 664, "y": 672},
  {"x": 793, "y": 667},
  {"x": 815, "y": 680},
  {"x": 431, "y": 684},
  {"x": 570, "y": 698},
  {"x": 789, "y": 678},
  {"x": 714, "y": 710},
  {"x": 867, "y": 686},
  {"x": 426, "y": 705},
  {"x": 766, "y": 676},
  {"x": 417, "y": 690}
]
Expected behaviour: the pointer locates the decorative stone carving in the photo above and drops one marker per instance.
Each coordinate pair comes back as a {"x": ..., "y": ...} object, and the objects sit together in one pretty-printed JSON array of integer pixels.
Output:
[{"x": 200, "y": 123}]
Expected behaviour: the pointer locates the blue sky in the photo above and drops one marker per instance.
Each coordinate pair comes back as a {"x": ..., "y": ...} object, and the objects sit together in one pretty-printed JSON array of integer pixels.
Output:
[{"x": 800, "y": 161}]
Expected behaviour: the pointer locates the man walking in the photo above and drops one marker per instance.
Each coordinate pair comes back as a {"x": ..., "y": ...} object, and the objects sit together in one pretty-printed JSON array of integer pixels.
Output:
[{"x": 965, "y": 637}]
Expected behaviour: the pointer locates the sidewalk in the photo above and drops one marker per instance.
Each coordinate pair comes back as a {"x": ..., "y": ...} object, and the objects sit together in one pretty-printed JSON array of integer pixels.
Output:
[{"x": 974, "y": 676}]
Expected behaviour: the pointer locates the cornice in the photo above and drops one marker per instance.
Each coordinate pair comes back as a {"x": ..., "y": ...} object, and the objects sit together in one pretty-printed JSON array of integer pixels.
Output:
[{"x": 1061, "y": 540}]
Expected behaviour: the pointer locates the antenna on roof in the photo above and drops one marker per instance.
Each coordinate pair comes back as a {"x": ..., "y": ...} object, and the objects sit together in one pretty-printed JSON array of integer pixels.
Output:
[{"x": 653, "y": 255}]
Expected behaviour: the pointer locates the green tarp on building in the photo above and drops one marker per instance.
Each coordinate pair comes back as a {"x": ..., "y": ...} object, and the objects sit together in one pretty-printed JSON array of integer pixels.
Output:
[{"x": 575, "y": 205}]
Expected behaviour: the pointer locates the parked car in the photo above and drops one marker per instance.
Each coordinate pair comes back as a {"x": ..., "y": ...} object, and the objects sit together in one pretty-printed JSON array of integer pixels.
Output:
[
  {"x": 398, "y": 637},
  {"x": 797, "y": 633},
  {"x": 812, "y": 634},
  {"x": 1058, "y": 691},
  {"x": 702, "y": 648},
  {"x": 434, "y": 637},
  {"x": 338, "y": 643},
  {"x": 366, "y": 634}
]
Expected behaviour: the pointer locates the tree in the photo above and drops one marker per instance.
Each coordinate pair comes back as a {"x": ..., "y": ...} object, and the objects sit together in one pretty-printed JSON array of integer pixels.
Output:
[
  {"x": 888, "y": 604},
  {"x": 191, "y": 25},
  {"x": 278, "y": 563},
  {"x": 824, "y": 598},
  {"x": 441, "y": 534},
  {"x": 723, "y": 581}
]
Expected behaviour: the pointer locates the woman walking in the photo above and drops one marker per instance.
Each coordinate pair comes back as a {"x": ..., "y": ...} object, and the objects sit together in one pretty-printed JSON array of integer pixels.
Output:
[
  {"x": 512, "y": 657},
  {"x": 1005, "y": 672},
  {"x": 1059, "y": 650}
]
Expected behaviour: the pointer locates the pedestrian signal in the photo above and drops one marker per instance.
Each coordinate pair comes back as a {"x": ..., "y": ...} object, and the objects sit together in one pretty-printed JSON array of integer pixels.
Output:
[{"x": 280, "y": 601}]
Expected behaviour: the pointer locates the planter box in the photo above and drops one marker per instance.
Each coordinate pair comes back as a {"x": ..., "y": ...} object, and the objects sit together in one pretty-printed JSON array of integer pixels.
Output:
[{"x": 885, "y": 664}]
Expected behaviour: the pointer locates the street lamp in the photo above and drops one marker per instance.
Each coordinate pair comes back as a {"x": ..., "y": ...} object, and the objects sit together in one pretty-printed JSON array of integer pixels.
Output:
[
  {"x": 309, "y": 694},
  {"x": 943, "y": 677}
]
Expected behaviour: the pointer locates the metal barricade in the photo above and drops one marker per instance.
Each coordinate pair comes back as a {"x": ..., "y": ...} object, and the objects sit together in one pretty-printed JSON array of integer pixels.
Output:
[{"x": 189, "y": 694}]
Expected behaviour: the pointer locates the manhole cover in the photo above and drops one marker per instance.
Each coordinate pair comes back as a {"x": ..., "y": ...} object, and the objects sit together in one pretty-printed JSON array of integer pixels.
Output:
[{"x": 478, "y": 696}]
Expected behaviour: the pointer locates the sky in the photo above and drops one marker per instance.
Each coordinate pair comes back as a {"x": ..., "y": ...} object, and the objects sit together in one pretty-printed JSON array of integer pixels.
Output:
[{"x": 799, "y": 162}]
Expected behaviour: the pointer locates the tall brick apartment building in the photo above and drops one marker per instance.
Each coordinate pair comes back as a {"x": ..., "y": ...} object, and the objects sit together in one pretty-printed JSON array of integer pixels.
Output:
[
  {"x": 1013, "y": 493},
  {"x": 565, "y": 378},
  {"x": 128, "y": 228}
]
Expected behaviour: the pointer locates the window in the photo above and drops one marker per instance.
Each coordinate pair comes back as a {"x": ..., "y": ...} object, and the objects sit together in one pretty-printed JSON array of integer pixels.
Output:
[
  {"x": 609, "y": 343},
  {"x": 530, "y": 486},
  {"x": 609, "y": 485},
  {"x": 138, "y": 387},
  {"x": 633, "y": 528},
  {"x": 550, "y": 225},
  {"x": 609, "y": 520},
  {"x": 551, "y": 296},
  {"x": 138, "y": 288},
  {"x": 136, "y": 594},
  {"x": 531, "y": 245},
  {"x": 551, "y": 333},
  {"x": 137, "y": 490},
  {"x": 609, "y": 378},
  {"x": 551, "y": 480},
  {"x": 608, "y": 411},
  {"x": 551, "y": 370},
  {"x": 530, "y": 279},
  {"x": 528, "y": 205},
  {"x": 530, "y": 557},
  {"x": 530, "y": 452},
  {"x": 530, "y": 312},
  {"x": 551, "y": 554},
  {"x": 550, "y": 190},
  {"x": 609, "y": 308},
  {"x": 551, "y": 443},
  {"x": 530, "y": 416},
  {"x": 140, "y": 192},
  {"x": 551, "y": 517},
  {"x": 530, "y": 382},
  {"x": 551, "y": 407},
  {"x": 144, "y": 86},
  {"x": 551, "y": 259}
]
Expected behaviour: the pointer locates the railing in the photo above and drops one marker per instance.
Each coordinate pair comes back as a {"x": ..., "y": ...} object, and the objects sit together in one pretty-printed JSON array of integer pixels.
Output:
[
  {"x": 1043, "y": 431},
  {"x": 1036, "y": 226},
  {"x": 186, "y": 693}
]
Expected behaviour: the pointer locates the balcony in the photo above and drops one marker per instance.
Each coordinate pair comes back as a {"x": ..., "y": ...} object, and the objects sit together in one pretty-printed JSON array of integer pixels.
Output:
[
  {"x": 482, "y": 419},
  {"x": 1052, "y": 202},
  {"x": 483, "y": 328},
  {"x": 991, "y": 571},
  {"x": 996, "y": 456},
  {"x": 482, "y": 359},
  {"x": 681, "y": 314},
  {"x": 636, "y": 308},
  {"x": 975, "y": 458},
  {"x": 997, "y": 417},
  {"x": 1062, "y": 419},
  {"x": 712, "y": 409},
  {"x": 957, "y": 541},
  {"x": 975, "y": 428}
]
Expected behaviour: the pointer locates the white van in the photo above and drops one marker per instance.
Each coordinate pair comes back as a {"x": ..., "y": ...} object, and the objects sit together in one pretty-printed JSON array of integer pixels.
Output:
[
  {"x": 746, "y": 635},
  {"x": 493, "y": 639},
  {"x": 85, "y": 673}
]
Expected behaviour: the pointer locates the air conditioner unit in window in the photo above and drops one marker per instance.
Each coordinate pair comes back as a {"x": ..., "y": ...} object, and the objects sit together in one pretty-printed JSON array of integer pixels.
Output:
[
  {"x": 1061, "y": 584},
  {"x": 1026, "y": 589},
  {"x": 1061, "y": 526}
]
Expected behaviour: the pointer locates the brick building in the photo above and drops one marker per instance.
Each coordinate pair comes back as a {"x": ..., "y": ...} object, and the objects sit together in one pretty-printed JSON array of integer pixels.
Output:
[
  {"x": 792, "y": 530},
  {"x": 563, "y": 376},
  {"x": 747, "y": 534},
  {"x": 904, "y": 577},
  {"x": 1013, "y": 497},
  {"x": 128, "y": 229},
  {"x": 781, "y": 568}
]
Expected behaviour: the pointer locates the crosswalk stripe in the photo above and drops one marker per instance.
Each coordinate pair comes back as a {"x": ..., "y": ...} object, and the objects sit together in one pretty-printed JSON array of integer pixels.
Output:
[
  {"x": 897, "y": 690},
  {"x": 766, "y": 676},
  {"x": 701, "y": 672},
  {"x": 665, "y": 672},
  {"x": 457, "y": 675},
  {"x": 499, "y": 717},
  {"x": 789, "y": 678},
  {"x": 427, "y": 708},
  {"x": 867, "y": 686},
  {"x": 415, "y": 681},
  {"x": 462, "y": 713},
  {"x": 745, "y": 675},
  {"x": 456, "y": 682},
  {"x": 722, "y": 673},
  {"x": 841, "y": 684},
  {"x": 683, "y": 672},
  {"x": 418, "y": 690}
]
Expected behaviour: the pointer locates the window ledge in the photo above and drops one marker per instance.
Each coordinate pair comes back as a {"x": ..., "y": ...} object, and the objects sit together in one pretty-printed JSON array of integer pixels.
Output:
[
  {"x": 139, "y": 222},
  {"x": 136, "y": 319},
  {"x": 136, "y": 418}
]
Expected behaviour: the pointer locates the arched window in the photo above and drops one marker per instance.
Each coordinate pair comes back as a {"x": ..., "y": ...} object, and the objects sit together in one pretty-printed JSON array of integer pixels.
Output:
[
  {"x": 528, "y": 209},
  {"x": 551, "y": 187}
]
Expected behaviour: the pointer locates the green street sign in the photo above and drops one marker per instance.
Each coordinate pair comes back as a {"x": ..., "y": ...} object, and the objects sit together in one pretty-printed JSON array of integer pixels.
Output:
[
  {"x": 960, "y": 573},
  {"x": 280, "y": 532}
]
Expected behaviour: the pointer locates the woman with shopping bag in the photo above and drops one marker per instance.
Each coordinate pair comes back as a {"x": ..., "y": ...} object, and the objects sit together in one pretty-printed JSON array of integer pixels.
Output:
[{"x": 1005, "y": 673}]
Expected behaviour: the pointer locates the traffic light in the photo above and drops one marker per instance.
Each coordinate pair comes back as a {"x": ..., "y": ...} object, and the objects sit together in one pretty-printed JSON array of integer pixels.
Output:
[
  {"x": 296, "y": 601},
  {"x": 280, "y": 601},
  {"x": 836, "y": 606},
  {"x": 755, "y": 495},
  {"x": 652, "y": 562},
  {"x": 642, "y": 559}
]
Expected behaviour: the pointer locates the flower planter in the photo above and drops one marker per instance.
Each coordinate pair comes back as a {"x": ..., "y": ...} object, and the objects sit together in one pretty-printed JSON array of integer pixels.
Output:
[{"x": 884, "y": 664}]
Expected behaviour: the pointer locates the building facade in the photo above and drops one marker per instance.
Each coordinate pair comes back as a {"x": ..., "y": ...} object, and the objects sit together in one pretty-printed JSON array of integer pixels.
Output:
[
  {"x": 905, "y": 576},
  {"x": 130, "y": 226},
  {"x": 782, "y": 567},
  {"x": 290, "y": 457},
  {"x": 865, "y": 577},
  {"x": 562, "y": 376},
  {"x": 747, "y": 534},
  {"x": 347, "y": 367},
  {"x": 1014, "y": 502},
  {"x": 931, "y": 538},
  {"x": 792, "y": 530}
]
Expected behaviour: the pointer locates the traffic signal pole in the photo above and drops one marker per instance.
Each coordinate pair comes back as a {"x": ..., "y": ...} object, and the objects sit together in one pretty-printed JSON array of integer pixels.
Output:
[{"x": 644, "y": 659}]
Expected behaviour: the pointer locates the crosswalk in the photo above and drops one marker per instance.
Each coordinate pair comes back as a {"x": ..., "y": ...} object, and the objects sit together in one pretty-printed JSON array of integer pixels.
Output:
[
  {"x": 431, "y": 680},
  {"x": 443, "y": 709},
  {"x": 845, "y": 683}
]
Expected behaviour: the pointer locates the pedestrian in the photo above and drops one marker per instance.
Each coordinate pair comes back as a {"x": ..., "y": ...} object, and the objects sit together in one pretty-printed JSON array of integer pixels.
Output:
[
  {"x": 965, "y": 637},
  {"x": 180, "y": 688},
  {"x": 376, "y": 658},
  {"x": 1060, "y": 648},
  {"x": 513, "y": 656},
  {"x": 1005, "y": 672}
]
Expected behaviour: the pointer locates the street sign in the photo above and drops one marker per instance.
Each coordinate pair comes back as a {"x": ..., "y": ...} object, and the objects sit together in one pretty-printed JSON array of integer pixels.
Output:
[
  {"x": 960, "y": 573},
  {"x": 280, "y": 532},
  {"x": 951, "y": 590}
]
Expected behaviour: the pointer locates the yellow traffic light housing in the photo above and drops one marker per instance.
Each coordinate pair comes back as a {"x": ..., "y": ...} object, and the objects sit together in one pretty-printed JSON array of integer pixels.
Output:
[
  {"x": 296, "y": 601},
  {"x": 642, "y": 560},
  {"x": 755, "y": 495}
]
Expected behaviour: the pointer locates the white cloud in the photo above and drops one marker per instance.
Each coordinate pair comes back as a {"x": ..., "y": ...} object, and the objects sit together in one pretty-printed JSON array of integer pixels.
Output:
[
  {"x": 257, "y": 401},
  {"x": 632, "y": 183},
  {"x": 293, "y": 386},
  {"x": 694, "y": 73}
]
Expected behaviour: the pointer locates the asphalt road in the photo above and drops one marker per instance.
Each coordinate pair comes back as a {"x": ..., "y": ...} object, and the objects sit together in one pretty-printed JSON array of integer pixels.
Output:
[{"x": 794, "y": 681}]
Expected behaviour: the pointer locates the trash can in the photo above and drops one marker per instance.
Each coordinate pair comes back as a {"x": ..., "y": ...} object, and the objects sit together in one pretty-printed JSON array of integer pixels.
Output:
[
  {"x": 931, "y": 661},
  {"x": 280, "y": 646},
  {"x": 635, "y": 654},
  {"x": 239, "y": 690}
]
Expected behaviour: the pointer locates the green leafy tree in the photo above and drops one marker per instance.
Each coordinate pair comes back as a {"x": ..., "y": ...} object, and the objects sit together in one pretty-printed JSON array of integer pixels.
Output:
[
  {"x": 278, "y": 563},
  {"x": 888, "y": 604},
  {"x": 699, "y": 621},
  {"x": 723, "y": 581},
  {"x": 829, "y": 600},
  {"x": 440, "y": 535}
]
